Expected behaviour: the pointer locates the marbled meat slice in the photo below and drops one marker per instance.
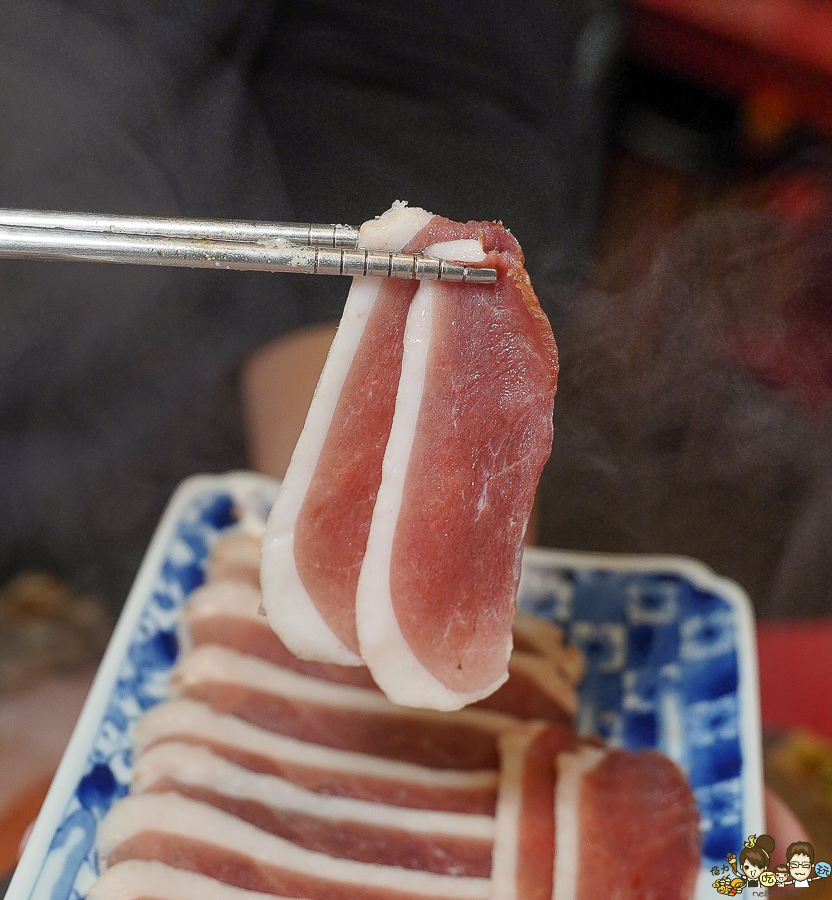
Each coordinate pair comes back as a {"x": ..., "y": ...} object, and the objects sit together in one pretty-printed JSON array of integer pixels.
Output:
[
  {"x": 226, "y": 613},
  {"x": 317, "y": 529},
  {"x": 442, "y": 842},
  {"x": 627, "y": 827},
  {"x": 137, "y": 879},
  {"x": 321, "y": 769},
  {"x": 524, "y": 841},
  {"x": 471, "y": 432},
  {"x": 336, "y": 715},
  {"x": 190, "y": 835}
]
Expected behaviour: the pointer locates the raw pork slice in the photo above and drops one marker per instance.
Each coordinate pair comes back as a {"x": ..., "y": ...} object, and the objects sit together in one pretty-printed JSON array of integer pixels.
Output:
[
  {"x": 336, "y": 715},
  {"x": 443, "y": 407},
  {"x": 324, "y": 770},
  {"x": 524, "y": 842},
  {"x": 190, "y": 835},
  {"x": 317, "y": 529},
  {"x": 225, "y": 612},
  {"x": 442, "y": 842},
  {"x": 472, "y": 430},
  {"x": 627, "y": 827},
  {"x": 141, "y": 880}
]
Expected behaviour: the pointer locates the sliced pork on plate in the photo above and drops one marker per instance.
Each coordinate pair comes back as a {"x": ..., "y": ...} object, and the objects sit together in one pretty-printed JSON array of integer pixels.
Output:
[
  {"x": 336, "y": 715},
  {"x": 577, "y": 821},
  {"x": 194, "y": 836},
  {"x": 390, "y": 565},
  {"x": 523, "y": 860},
  {"x": 430, "y": 840},
  {"x": 329, "y": 771},
  {"x": 541, "y": 682},
  {"x": 627, "y": 826}
]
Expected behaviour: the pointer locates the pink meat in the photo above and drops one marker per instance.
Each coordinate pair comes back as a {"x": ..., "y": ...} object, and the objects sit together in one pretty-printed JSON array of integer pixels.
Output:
[
  {"x": 605, "y": 799},
  {"x": 358, "y": 841},
  {"x": 142, "y": 880},
  {"x": 428, "y": 602},
  {"x": 193, "y": 836},
  {"x": 441, "y": 842},
  {"x": 524, "y": 844},
  {"x": 535, "y": 689},
  {"x": 226, "y": 613},
  {"x": 335, "y": 715},
  {"x": 321, "y": 769},
  {"x": 472, "y": 430}
]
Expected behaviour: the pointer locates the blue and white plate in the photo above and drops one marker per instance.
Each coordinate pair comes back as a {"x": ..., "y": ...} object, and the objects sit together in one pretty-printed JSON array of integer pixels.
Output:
[{"x": 671, "y": 663}]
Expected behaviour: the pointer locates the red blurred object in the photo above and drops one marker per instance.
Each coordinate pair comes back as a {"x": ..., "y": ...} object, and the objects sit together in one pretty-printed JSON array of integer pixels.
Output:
[
  {"x": 774, "y": 55},
  {"x": 802, "y": 199},
  {"x": 796, "y": 674},
  {"x": 793, "y": 353}
]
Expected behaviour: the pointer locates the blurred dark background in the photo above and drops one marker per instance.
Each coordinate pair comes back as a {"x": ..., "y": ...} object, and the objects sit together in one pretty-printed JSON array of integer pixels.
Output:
[{"x": 694, "y": 404}]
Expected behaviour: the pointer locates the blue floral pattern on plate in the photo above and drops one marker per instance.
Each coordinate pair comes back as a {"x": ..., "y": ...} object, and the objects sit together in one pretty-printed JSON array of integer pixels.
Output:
[{"x": 670, "y": 664}]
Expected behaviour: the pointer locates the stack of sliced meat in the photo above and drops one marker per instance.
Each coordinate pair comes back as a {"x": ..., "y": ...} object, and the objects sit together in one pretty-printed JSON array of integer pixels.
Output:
[
  {"x": 543, "y": 670},
  {"x": 266, "y": 776},
  {"x": 396, "y": 538}
]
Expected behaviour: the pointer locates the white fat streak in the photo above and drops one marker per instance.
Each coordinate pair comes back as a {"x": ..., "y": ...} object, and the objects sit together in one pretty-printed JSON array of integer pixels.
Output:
[
  {"x": 175, "y": 718},
  {"x": 394, "y": 228},
  {"x": 393, "y": 665},
  {"x": 505, "y": 863},
  {"x": 227, "y": 596},
  {"x": 193, "y": 766},
  {"x": 213, "y": 664},
  {"x": 571, "y": 769},
  {"x": 290, "y": 610},
  {"x": 177, "y": 816},
  {"x": 236, "y": 556},
  {"x": 137, "y": 879},
  {"x": 464, "y": 250}
]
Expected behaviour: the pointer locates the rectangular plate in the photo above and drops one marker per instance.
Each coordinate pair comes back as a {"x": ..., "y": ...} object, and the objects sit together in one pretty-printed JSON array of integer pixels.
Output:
[{"x": 671, "y": 664}]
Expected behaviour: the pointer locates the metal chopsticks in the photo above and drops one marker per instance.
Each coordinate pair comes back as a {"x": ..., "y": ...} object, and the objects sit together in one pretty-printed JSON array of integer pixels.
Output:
[{"x": 209, "y": 243}]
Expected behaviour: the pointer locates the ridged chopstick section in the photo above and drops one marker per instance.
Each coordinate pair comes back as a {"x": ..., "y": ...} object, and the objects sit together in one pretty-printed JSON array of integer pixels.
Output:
[{"x": 206, "y": 243}]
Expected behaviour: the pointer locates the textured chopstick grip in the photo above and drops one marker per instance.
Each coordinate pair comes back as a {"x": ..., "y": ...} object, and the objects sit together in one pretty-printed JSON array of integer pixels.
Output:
[{"x": 50, "y": 243}]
